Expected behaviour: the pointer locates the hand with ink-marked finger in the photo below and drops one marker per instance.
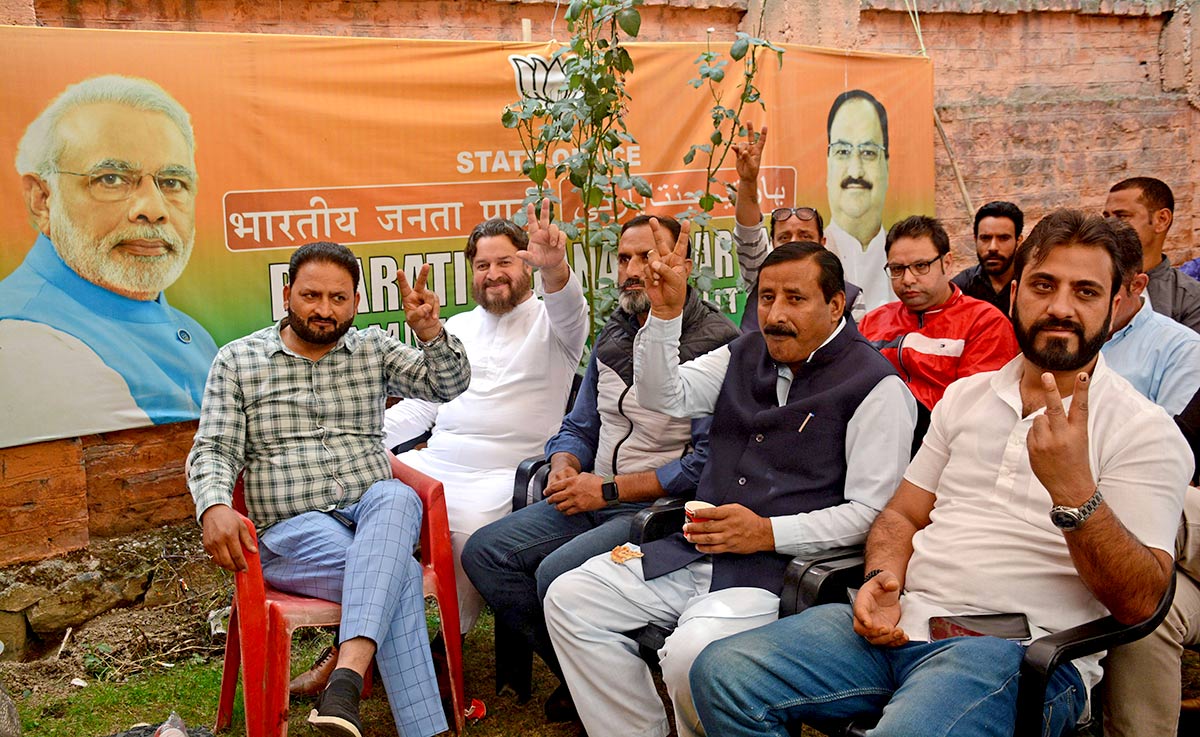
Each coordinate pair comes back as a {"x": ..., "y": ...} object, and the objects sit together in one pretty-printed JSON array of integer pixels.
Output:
[
  {"x": 421, "y": 306},
  {"x": 668, "y": 270},
  {"x": 1058, "y": 444}
]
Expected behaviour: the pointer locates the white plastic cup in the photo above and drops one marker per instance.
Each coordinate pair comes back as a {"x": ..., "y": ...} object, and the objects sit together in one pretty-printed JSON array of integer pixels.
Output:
[{"x": 693, "y": 511}]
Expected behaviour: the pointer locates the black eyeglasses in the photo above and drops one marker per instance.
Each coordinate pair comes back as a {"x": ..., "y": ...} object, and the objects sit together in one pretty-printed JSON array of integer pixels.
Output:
[
  {"x": 920, "y": 268},
  {"x": 779, "y": 214}
]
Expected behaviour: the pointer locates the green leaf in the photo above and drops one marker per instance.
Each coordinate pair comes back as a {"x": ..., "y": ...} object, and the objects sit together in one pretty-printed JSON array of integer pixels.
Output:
[
  {"x": 642, "y": 186},
  {"x": 690, "y": 155},
  {"x": 630, "y": 21},
  {"x": 574, "y": 10},
  {"x": 708, "y": 202},
  {"x": 508, "y": 119},
  {"x": 538, "y": 174},
  {"x": 739, "y": 49},
  {"x": 715, "y": 138},
  {"x": 595, "y": 196},
  {"x": 717, "y": 75}
]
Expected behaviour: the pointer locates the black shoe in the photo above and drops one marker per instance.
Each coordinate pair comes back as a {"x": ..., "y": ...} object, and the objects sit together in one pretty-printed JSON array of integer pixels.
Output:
[
  {"x": 559, "y": 707},
  {"x": 337, "y": 708}
]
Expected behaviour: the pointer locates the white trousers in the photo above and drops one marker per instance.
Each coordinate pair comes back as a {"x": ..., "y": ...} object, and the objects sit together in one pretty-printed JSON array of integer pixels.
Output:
[{"x": 589, "y": 609}]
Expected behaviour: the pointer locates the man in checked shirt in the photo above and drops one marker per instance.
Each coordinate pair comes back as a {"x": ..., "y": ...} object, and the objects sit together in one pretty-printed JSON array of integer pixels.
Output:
[{"x": 298, "y": 407}]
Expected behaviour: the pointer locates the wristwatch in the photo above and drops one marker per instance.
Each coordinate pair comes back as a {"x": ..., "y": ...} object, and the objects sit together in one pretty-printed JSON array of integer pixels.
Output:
[
  {"x": 1069, "y": 519},
  {"x": 608, "y": 489}
]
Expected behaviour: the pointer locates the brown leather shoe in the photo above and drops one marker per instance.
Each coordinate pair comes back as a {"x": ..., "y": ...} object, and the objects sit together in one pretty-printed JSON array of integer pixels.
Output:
[{"x": 312, "y": 681}]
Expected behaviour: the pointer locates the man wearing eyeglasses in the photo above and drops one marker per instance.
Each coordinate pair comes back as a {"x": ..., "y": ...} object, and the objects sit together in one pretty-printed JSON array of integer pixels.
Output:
[
  {"x": 786, "y": 225},
  {"x": 88, "y": 341},
  {"x": 857, "y": 182},
  {"x": 935, "y": 334}
]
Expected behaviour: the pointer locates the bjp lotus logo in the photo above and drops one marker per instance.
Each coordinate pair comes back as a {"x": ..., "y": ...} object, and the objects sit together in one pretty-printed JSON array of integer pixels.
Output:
[{"x": 539, "y": 78}]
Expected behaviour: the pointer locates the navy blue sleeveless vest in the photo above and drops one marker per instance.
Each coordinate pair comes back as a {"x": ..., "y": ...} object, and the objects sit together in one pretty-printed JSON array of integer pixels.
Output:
[{"x": 760, "y": 457}]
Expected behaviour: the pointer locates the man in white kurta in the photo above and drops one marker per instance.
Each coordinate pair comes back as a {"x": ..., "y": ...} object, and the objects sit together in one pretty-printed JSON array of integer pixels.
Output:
[{"x": 523, "y": 352}]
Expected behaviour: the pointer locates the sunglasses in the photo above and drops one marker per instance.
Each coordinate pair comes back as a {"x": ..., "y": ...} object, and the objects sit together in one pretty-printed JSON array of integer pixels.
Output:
[{"x": 779, "y": 214}]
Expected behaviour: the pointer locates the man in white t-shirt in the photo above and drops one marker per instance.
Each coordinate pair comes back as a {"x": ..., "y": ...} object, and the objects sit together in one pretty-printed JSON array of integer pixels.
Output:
[{"x": 1019, "y": 502}]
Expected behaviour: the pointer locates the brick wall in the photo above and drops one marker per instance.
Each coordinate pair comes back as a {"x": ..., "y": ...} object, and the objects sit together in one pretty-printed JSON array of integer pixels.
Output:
[{"x": 1044, "y": 102}]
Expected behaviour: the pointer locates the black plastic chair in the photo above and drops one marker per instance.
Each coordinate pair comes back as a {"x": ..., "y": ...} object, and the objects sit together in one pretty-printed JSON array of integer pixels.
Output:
[{"x": 826, "y": 580}]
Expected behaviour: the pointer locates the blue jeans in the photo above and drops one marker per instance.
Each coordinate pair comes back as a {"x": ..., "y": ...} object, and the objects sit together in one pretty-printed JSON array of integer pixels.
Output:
[
  {"x": 812, "y": 666},
  {"x": 514, "y": 560}
]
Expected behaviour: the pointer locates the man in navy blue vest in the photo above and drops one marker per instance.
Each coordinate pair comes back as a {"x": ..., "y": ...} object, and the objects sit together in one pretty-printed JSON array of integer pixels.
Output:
[{"x": 811, "y": 428}]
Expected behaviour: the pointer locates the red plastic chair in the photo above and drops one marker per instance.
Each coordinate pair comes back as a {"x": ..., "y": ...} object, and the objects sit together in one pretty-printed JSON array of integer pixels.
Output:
[{"x": 262, "y": 620}]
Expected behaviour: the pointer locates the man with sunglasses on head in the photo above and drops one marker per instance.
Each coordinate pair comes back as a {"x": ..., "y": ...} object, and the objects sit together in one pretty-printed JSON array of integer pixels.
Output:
[
  {"x": 785, "y": 225},
  {"x": 935, "y": 334},
  {"x": 109, "y": 177}
]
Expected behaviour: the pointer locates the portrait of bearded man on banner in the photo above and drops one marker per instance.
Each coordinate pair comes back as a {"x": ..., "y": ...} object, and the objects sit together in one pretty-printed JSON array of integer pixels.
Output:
[{"x": 88, "y": 342}]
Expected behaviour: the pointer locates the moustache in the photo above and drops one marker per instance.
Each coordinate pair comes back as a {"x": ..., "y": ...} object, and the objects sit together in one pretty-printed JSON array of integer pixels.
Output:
[
  {"x": 144, "y": 233},
  {"x": 849, "y": 181},
  {"x": 1052, "y": 324},
  {"x": 494, "y": 282},
  {"x": 632, "y": 281},
  {"x": 781, "y": 330}
]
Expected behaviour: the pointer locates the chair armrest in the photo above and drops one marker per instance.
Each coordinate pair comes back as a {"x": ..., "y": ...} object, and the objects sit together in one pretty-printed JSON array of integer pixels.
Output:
[
  {"x": 658, "y": 520},
  {"x": 820, "y": 578},
  {"x": 529, "y": 481},
  {"x": 1045, "y": 654},
  {"x": 411, "y": 443}
]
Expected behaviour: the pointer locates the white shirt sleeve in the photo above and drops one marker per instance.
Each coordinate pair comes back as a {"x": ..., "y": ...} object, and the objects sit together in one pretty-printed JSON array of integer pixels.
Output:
[
  {"x": 663, "y": 385},
  {"x": 407, "y": 419},
  {"x": 878, "y": 443},
  {"x": 752, "y": 245},
  {"x": 568, "y": 313}
]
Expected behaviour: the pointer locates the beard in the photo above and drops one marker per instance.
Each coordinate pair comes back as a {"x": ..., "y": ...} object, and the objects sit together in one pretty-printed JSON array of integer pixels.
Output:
[
  {"x": 633, "y": 301},
  {"x": 1056, "y": 353},
  {"x": 101, "y": 263},
  {"x": 997, "y": 267},
  {"x": 502, "y": 305},
  {"x": 318, "y": 332}
]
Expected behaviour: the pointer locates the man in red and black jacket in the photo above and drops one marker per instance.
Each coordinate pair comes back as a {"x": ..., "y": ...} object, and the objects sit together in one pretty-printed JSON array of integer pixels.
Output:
[{"x": 935, "y": 334}]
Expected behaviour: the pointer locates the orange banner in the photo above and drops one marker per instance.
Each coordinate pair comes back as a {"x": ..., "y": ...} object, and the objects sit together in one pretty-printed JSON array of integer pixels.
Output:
[{"x": 392, "y": 147}]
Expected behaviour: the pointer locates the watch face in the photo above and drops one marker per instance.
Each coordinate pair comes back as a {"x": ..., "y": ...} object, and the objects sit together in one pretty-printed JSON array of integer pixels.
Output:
[
  {"x": 1064, "y": 519},
  {"x": 609, "y": 491}
]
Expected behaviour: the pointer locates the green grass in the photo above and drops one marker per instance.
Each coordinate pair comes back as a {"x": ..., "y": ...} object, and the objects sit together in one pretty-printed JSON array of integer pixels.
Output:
[{"x": 191, "y": 688}]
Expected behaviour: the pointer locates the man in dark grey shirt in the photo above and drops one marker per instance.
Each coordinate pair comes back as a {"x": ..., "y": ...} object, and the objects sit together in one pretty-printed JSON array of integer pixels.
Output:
[{"x": 1147, "y": 205}]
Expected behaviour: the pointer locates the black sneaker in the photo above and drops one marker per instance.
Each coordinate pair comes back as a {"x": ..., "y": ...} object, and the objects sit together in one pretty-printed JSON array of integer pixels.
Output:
[
  {"x": 337, "y": 707},
  {"x": 559, "y": 707}
]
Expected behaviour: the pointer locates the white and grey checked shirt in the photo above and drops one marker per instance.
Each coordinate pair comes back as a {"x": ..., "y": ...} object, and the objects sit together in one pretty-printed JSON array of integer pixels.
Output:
[{"x": 309, "y": 434}]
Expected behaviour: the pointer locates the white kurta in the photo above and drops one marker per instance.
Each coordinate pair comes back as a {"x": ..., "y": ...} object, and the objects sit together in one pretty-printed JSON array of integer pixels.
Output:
[
  {"x": 864, "y": 268},
  {"x": 522, "y": 365}
]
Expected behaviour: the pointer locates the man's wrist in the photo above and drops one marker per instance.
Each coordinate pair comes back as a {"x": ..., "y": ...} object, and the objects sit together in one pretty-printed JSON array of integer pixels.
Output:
[
  {"x": 441, "y": 332},
  {"x": 666, "y": 312}
]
